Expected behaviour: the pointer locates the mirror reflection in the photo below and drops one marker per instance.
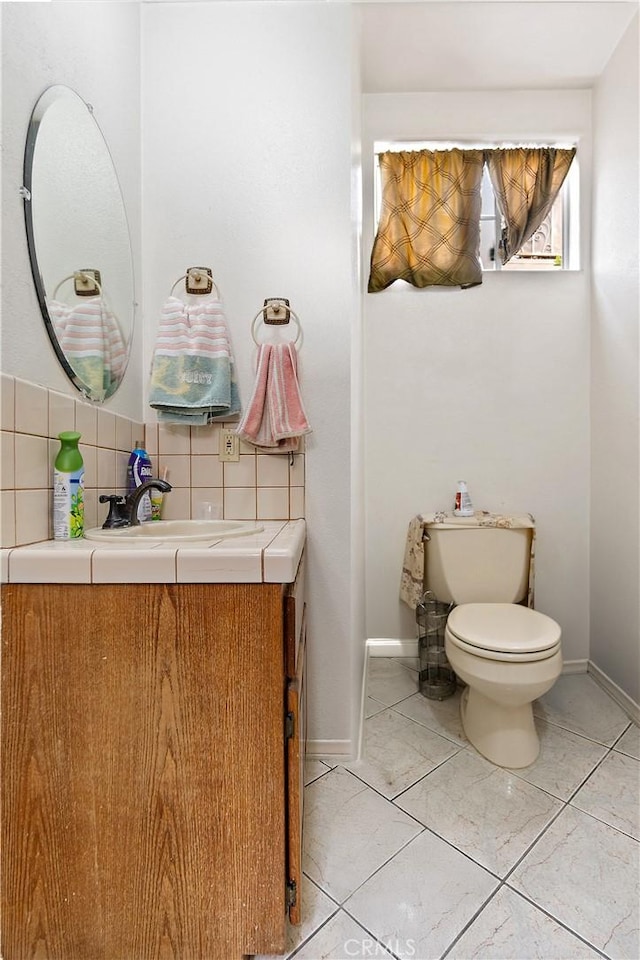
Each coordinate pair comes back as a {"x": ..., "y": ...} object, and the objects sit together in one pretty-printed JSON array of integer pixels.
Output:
[{"x": 79, "y": 242}]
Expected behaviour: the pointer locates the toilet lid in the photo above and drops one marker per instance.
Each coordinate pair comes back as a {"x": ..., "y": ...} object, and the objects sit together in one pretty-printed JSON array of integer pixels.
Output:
[{"x": 503, "y": 627}]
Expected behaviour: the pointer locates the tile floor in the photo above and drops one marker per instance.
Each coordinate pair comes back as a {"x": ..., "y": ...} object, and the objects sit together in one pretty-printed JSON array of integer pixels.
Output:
[{"x": 423, "y": 849}]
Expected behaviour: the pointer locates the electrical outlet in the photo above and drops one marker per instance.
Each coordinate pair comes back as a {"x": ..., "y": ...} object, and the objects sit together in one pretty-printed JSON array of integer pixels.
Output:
[{"x": 229, "y": 446}]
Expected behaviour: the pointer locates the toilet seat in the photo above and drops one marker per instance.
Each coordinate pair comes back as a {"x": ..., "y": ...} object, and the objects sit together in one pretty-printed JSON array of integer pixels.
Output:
[{"x": 503, "y": 631}]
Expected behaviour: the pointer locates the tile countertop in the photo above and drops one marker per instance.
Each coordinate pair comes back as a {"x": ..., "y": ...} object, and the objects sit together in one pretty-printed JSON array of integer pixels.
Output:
[{"x": 271, "y": 556}]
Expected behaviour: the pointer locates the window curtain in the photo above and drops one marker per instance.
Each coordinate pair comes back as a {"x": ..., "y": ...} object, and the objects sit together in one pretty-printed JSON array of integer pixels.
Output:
[
  {"x": 429, "y": 232},
  {"x": 526, "y": 181}
]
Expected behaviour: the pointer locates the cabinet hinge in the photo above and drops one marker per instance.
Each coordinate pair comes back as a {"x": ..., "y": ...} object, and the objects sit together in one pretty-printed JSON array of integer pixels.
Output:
[
  {"x": 292, "y": 893},
  {"x": 289, "y": 725}
]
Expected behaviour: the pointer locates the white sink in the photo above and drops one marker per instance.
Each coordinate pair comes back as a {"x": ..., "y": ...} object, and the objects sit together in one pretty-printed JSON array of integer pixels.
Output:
[{"x": 183, "y": 530}]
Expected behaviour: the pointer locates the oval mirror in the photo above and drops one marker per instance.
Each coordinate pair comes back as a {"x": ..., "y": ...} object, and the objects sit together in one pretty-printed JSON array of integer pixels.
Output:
[{"x": 79, "y": 244}]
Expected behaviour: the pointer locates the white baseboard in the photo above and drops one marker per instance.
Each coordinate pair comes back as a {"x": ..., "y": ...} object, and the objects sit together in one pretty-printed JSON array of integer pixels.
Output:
[
  {"x": 389, "y": 647},
  {"x": 333, "y": 751},
  {"x": 630, "y": 707},
  {"x": 575, "y": 666}
]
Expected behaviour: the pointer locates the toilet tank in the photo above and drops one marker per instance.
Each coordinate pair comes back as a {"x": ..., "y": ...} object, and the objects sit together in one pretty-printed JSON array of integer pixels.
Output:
[{"x": 474, "y": 564}]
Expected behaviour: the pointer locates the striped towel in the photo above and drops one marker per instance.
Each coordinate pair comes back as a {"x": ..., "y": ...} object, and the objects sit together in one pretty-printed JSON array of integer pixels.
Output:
[
  {"x": 90, "y": 337},
  {"x": 275, "y": 418},
  {"x": 193, "y": 374}
]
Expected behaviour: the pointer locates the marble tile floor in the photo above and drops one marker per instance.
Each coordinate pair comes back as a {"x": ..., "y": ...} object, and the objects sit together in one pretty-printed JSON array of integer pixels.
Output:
[{"x": 423, "y": 849}]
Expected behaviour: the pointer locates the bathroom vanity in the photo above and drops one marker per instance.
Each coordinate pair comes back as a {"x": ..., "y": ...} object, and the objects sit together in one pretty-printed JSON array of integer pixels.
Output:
[{"x": 152, "y": 749}]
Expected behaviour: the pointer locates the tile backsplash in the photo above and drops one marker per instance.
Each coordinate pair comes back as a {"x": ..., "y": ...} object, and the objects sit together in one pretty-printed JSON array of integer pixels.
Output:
[{"x": 31, "y": 416}]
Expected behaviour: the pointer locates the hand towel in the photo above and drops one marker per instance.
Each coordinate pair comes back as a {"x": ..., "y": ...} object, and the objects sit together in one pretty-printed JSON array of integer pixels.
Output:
[
  {"x": 91, "y": 340},
  {"x": 275, "y": 418},
  {"x": 193, "y": 373},
  {"x": 412, "y": 579}
]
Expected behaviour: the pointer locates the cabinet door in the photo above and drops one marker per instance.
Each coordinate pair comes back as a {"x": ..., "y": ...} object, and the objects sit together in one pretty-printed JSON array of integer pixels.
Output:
[{"x": 296, "y": 708}]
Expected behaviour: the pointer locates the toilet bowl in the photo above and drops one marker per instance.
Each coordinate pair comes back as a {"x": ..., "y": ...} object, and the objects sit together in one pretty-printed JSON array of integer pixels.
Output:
[{"x": 508, "y": 655}]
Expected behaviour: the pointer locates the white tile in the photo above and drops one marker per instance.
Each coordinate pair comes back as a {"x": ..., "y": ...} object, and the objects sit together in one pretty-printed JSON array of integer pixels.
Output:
[
  {"x": 442, "y": 716},
  {"x": 510, "y": 927},
  {"x": 371, "y": 707},
  {"x": 124, "y": 439},
  {"x": 612, "y": 793},
  {"x": 565, "y": 759},
  {"x": 52, "y": 562},
  {"x": 206, "y": 565},
  {"x": 125, "y": 566},
  {"x": 31, "y": 408},
  {"x": 272, "y": 471},
  {"x": 150, "y": 439},
  {"x": 7, "y": 518},
  {"x": 411, "y": 663},
  {"x": 122, "y": 461},
  {"x": 389, "y": 682},
  {"x": 62, "y": 413},
  {"x": 205, "y": 441},
  {"x": 316, "y": 909},
  {"x": 7, "y": 402},
  {"x": 32, "y": 469},
  {"x": 241, "y": 473},
  {"x": 7, "y": 460},
  {"x": 202, "y": 495},
  {"x": 106, "y": 468},
  {"x": 349, "y": 831},
  {"x": 206, "y": 471},
  {"x": 90, "y": 460},
  {"x": 240, "y": 503},
  {"x": 87, "y": 422},
  {"x": 487, "y": 812},
  {"x": 578, "y": 703},
  {"x": 177, "y": 504},
  {"x": 33, "y": 509},
  {"x": 296, "y": 503},
  {"x": 296, "y": 471},
  {"x": 314, "y": 769},
  {"x": 106, "y": 429},
  {"x": 174, "y": 439},
  {"x": 91, "y": 513},
  {"x": 282, "y": 554},
  {"x": 585, "y": 874},
  {"x": 629, "y": 742},
  {"x": 398, "y": 752},
  {"x": 342, "y": 939},
  {"x": 422, "y": 897},
  {"x": 272, "y": 503},
  {"x": 178, "y": 470},
  {"x": 4, "y": 565}
]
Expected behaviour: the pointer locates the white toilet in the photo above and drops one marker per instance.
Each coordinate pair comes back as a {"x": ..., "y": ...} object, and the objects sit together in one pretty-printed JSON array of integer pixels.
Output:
[{"x": 508, "y": 654}]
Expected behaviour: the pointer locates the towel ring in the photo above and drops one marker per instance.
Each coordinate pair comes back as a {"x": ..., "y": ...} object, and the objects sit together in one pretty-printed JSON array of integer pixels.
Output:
[
  {"x": 75, "y": 276},
  {"x": 198, "y": 275},
  {"x": 294, "y": 317}
]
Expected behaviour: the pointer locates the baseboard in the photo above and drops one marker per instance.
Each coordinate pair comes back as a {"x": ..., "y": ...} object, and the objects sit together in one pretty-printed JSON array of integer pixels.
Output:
[
  {"x": 390, "y": 647},
  {"x": 333, "y": 751},
  {"x": 630, "y": 707},
  {"x": 575, "y": 666}
]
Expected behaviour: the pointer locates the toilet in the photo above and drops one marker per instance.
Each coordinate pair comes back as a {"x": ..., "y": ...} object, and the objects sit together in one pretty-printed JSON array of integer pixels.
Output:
[{"x": 507, "y": 654}]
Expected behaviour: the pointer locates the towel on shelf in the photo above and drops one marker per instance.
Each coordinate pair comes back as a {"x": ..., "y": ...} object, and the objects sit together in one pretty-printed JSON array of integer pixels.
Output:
[
  {"x": 412, "y": 579},
  {"x": 91, "y": 340},
  {"x": 193, "y": 376},
  {"x": 275, "y": 419}
]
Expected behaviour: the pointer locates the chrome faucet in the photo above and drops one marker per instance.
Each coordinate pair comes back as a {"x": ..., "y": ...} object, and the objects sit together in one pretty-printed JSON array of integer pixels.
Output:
[{"x": 123, "y": 512}]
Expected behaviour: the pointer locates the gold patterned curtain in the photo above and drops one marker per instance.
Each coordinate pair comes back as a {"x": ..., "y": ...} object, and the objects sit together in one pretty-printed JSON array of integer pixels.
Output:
[
  {"x": 429, "y": 231},
  {"x": 526, "y": 181}
]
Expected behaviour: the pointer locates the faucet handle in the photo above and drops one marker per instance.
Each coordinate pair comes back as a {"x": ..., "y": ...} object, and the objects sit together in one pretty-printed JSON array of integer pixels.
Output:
[{"x": 114, "y": 517}]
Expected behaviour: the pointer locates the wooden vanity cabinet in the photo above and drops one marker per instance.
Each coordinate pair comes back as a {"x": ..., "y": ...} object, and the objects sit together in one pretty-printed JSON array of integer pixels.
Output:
[{"x": 152, "y": 747}]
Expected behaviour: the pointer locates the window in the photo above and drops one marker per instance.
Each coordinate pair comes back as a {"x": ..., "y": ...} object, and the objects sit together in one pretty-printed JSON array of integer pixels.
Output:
[{"x": 554, "y": 246}]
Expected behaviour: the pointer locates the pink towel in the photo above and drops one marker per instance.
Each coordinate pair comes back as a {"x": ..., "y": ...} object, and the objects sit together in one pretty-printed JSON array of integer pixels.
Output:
[{"x": 275, "y": 418}]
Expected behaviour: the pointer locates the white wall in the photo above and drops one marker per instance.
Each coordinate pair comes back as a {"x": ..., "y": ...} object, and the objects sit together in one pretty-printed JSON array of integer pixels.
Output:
[
  {"x": 489, "y": 384},
  {"x": 615, "y": 478},
  {"x": 95, "y": 49},
  {"x": 246, "y": 168}
]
